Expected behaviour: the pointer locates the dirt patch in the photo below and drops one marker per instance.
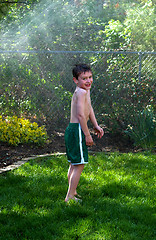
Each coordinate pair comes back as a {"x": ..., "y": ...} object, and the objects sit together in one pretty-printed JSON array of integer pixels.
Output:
[{"x": 108, "y": 143}]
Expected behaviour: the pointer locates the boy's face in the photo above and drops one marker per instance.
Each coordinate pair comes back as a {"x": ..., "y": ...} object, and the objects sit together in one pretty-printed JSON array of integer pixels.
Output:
[{"x": 84, "y": 80}]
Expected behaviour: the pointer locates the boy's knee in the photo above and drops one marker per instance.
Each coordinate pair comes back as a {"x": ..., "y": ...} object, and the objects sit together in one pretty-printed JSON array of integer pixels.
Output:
[{"x": 81, "y": 167}]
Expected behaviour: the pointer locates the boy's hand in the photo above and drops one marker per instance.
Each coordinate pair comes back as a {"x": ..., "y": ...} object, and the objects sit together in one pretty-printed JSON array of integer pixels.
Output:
[
  {"x": 89, "y": 140},
  {"x": 99, "y": 131}
]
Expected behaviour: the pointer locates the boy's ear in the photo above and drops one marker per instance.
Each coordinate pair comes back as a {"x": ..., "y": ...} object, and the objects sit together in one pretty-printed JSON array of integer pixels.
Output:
[{"x": 75, "y": 80}]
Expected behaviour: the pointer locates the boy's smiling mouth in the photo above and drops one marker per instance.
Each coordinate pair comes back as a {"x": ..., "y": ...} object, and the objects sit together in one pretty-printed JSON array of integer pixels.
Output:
[{"x": 88, "y": 85}]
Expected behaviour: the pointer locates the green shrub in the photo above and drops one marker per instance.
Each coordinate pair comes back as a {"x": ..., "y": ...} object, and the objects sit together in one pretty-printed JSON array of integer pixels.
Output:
[
  {"x": 14, "y": 131},
  {"x": 143, "y": 130},
  {"x": 119, "y": 93}
]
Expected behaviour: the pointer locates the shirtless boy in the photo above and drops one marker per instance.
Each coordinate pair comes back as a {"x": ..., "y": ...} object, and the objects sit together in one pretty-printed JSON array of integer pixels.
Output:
[{"x": 77, "y": 135}]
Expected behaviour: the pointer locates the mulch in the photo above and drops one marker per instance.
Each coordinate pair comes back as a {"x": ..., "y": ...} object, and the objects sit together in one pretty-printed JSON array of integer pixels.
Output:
[{"x": 108, "y": 143}]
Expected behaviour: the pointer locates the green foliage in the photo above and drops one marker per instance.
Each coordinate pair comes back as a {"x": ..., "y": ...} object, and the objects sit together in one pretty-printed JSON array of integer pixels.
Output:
[
  {"x": 143, "y": 130},
  {"x": 30, "y": 88},
  {"x": 118, "y": 199},
  {"x": 81, "y": 22},
  {"x": 14, "y": 100},
  {"x": 4, "y": 8},
  {"x": 117, "y": 37},
  {"x": 140, "y": 21},
  {"x": 16, "y": 131},
  {"x": 119, "y": 94},
  {"x": 9, "y": 9}
]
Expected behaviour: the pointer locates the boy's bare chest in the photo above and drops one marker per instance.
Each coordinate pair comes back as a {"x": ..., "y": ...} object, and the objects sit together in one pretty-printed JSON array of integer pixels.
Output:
[{"x": 85, "y": 106}]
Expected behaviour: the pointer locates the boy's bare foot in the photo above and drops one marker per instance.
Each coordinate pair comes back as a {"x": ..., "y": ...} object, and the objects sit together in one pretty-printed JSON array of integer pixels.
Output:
[
  {"x": 77, "y": 195},
  {"x": 74, "y": 198}
]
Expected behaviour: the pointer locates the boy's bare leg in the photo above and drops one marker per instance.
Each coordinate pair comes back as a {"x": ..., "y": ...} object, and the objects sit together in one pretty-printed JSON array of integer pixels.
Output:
[
  {"x": 70, "y": 170},
  {"x": 74, "y": 174}
]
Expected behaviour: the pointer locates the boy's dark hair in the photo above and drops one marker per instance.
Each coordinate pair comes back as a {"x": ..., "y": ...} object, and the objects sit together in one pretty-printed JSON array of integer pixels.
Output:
[{"x": 80, "y": 68}]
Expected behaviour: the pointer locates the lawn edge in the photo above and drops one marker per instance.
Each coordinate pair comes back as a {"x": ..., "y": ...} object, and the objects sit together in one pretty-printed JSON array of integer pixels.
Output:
[{"x": 24, "y": 160}]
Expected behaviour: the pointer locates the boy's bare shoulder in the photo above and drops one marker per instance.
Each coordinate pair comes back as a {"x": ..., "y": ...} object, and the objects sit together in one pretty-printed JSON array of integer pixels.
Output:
[{"x": 80, "y": 91}]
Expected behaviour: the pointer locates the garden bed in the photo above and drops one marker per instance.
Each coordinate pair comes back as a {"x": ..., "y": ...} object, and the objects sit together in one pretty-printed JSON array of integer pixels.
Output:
[{"x": 10, "y": 154}]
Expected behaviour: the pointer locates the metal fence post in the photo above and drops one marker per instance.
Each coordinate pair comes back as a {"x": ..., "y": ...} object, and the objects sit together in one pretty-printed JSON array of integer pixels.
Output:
[{"x": 140, "y": 58}]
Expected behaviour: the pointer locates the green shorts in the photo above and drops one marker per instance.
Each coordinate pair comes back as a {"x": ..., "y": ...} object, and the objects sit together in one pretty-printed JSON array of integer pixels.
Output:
[{"x": 76, "y": 149}]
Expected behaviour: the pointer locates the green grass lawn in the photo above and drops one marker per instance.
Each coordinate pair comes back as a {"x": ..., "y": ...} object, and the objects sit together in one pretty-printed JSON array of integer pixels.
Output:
[{"x": 118, "y": 191}]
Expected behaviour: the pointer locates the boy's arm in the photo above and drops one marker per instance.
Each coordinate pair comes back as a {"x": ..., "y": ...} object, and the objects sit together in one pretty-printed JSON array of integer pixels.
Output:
[
  {"x": 81, "y": 96},
  {"x": 97, "y": 128}
]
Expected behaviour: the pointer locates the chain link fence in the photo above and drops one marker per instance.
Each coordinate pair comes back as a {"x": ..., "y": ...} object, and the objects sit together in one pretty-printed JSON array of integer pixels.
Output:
[{"x": 38, "y": 85}]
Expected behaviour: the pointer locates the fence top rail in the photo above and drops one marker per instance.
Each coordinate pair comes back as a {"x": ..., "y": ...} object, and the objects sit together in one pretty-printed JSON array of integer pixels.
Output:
[{"x": 55, "y": 51}]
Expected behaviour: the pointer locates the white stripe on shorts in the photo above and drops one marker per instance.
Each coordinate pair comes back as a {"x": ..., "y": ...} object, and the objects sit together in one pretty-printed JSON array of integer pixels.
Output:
[{"x": 80, "y": 142}]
